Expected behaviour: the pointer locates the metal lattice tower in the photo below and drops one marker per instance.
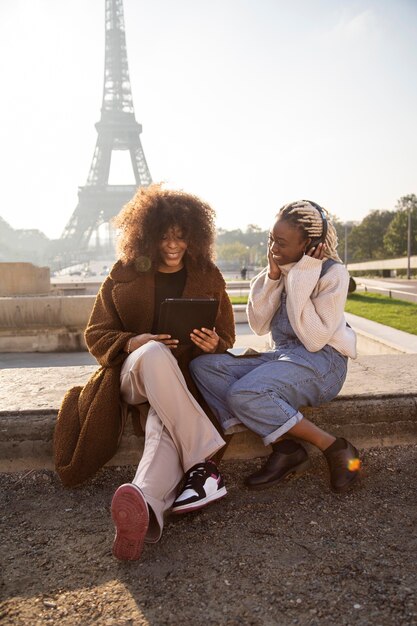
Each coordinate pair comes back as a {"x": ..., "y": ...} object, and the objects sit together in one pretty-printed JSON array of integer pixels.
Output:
[{"x": 117, "y": 129}]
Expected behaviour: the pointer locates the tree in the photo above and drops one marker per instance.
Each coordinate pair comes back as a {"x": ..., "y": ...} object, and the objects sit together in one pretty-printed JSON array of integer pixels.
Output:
[
  {"x": 340, "y": 231},
  {"x": 229, "y": 236},
  {"x": 395, "y": 239},
  {"x": 366, "y": 240},
  {"x": 233, "y": 252},
  {"x": 237, "y": 247},
  {"x": 254, "y": 235}
]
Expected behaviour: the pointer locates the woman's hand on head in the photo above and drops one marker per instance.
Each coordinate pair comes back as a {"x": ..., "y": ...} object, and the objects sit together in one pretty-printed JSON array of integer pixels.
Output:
[
  {"x": 140, "y": 340},
  {"x": 319, "y": 252},
  {"x": 207, "y": 340}
]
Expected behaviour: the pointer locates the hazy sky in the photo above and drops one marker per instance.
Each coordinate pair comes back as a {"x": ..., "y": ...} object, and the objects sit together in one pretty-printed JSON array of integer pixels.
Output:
[{"x": 248, "y": 103}]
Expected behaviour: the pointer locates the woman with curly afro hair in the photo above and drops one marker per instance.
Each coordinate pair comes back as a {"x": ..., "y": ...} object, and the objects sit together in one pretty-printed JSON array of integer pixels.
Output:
[
  {"x": 165, "y": 251},
  {"x": 151, "y": 213}
]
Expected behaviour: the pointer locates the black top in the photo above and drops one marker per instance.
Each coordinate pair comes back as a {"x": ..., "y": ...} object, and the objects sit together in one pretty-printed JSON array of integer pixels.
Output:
[{"x": 167, "y": 285}]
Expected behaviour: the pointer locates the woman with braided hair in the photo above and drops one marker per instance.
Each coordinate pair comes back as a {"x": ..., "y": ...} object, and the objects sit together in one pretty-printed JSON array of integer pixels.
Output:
[{"x": 300, "y": 298}]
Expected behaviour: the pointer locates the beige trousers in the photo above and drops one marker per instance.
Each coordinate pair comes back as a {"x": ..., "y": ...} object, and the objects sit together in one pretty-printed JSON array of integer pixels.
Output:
[{"x": 178, "y": 434}]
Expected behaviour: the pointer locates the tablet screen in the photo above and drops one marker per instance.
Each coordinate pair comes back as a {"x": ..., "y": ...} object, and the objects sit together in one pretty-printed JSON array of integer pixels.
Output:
[{"x": 179, "y": 316}]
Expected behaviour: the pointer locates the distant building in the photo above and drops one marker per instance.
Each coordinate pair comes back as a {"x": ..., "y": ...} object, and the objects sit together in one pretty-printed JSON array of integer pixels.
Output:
[{"x": 30, "y": 245}]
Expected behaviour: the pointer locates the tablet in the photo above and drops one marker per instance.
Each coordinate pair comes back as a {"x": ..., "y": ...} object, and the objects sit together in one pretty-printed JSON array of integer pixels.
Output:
[{"x": 179, "y": 316}]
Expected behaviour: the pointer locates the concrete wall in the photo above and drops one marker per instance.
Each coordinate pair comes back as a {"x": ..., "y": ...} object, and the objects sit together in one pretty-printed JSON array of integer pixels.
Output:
[
  {"x": 52, "y": 323},
  {"x": 44, "y": 324},
  {"x": 57, "y": 323},
  {"x": 23, "y": 279},
  {"x": 44, "y": 312},
  {"x": 370, "y": 345}
]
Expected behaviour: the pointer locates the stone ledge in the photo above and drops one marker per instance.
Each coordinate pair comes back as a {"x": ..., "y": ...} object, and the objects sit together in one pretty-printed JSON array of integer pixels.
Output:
[
  {"x": 26, "y": 437},
  {"x": 377, "y": 406}
]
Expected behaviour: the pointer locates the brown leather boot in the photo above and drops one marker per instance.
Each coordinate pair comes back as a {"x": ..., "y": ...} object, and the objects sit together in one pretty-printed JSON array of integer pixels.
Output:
[
  {"x": 344, "y": 464},
  {"x": 288, "y": 457}
]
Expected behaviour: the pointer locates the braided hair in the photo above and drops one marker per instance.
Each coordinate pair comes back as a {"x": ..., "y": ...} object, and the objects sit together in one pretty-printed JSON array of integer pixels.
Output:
[{"x": 307, "y": 217}]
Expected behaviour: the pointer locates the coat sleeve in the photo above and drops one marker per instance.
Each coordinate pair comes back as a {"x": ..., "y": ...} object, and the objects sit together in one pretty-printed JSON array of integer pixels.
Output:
[
  {"x": 105, "y": 335},
  {"x": 88, "y": 427},
  {"x": 225, "y": 322},
  {"x": 316, "y": 305}
]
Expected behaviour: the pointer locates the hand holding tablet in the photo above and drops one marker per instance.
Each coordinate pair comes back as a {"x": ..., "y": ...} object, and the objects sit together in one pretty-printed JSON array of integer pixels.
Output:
[{"x": 179, "y": 317}]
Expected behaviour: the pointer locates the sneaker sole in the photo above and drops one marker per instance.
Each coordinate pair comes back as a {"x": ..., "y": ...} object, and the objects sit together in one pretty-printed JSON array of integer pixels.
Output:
[
  {"x": 131, "y": 519},
  {"x": 195, "y": 506},
  {"x": 297, "y": 471}
]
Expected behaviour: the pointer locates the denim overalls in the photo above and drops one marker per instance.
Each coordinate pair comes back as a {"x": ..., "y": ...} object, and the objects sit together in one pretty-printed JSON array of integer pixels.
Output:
[{"x": 265, "y": 392}]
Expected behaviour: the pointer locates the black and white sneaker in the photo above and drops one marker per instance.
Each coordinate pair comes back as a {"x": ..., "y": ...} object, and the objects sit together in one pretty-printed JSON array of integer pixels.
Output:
[{"x": 203, "y": 485}]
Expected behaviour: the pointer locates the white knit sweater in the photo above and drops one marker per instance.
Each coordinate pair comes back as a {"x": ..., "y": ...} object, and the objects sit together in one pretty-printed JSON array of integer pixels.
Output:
[{"x": 315, "y": 305}]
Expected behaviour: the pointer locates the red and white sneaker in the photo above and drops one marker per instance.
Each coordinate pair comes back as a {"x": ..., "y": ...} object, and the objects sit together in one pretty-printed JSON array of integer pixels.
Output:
[
  {"x": 204, "y": 484},
  {"x": 130, "y": 515}
]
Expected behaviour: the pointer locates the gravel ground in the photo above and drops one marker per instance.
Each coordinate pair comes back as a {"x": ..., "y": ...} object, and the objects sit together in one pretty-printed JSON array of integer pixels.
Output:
[{"x": 294, "y": 554}]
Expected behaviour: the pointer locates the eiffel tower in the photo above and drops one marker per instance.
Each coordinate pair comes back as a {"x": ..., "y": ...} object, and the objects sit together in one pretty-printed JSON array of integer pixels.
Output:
[{"x": 117, "y": 129}]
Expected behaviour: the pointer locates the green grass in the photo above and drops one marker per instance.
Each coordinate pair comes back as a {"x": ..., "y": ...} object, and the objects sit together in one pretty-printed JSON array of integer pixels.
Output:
[
  {"x": 395, "y": 313},
  {"x": 238, "y": 299}
]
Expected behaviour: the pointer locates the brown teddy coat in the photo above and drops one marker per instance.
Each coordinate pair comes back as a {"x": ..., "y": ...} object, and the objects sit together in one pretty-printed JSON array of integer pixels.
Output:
[{"x": 91, "y": 419}]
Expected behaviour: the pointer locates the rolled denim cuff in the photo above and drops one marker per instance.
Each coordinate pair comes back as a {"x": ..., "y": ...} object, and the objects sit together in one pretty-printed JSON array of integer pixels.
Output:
[
  {"x": 276, "y": 434},
  {"x": 230, "y": 423},
  {"x": 236, "y": 428}
]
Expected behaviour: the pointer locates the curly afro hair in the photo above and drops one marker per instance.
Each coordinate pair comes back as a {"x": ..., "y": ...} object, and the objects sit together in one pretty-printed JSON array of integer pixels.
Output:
[{"x": 151, "y": 213}]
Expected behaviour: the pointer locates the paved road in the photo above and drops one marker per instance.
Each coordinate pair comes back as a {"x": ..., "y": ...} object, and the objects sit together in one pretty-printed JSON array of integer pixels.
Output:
[
  {"x": 401, "y": 289},
  {"x": 44, "y": 359},
  {"x": 390, "y": 283}
]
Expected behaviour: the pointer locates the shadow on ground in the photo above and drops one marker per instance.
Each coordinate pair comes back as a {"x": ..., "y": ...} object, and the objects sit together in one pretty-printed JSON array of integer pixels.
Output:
[{"x": 295, "y": 554}]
